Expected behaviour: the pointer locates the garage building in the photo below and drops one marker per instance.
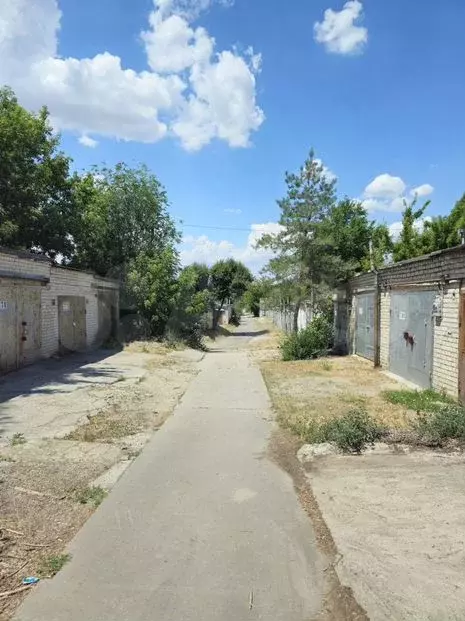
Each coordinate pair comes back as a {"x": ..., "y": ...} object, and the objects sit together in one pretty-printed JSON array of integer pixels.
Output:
[
  {"x": 409, "y": 318},
  {"x": 45, "y": 309}
]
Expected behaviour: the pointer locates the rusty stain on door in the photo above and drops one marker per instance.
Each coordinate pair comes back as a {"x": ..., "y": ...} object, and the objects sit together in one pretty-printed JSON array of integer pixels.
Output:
[
  {"x": 462, "y": 349},
  {"x": 411, "y": 336},
  {"x": 72, "y": 323},
  {"x": 20, "y": 325}
]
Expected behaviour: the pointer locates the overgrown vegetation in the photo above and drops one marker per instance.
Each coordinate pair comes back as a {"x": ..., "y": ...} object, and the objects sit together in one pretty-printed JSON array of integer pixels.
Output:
[
  {"x": 446, "y": 423},
  {"x": 352, "y": 433},
  {"x": 439, "y": 417},
  {"x": 313, "y": 342},
  {"x": 51, "y": 565}
]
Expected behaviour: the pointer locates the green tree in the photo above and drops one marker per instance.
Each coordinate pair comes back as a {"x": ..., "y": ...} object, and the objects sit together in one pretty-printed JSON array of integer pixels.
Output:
[
  {"x": 253, "y": 295},
  {"x": 355, "y": 243},
  {"x": 36, "y": 194},
  {"x": 150, "y": 285},
  {"x": 304, "y": 243},
  {"x": 229, "y": 280},
  {"x": 457, "y": 218},
  {"x": 122, "y": 213},
  {"x": 410, "y": 244},
  {"x": 381, "y": 247},
  {"x": 193, "y": 300}
]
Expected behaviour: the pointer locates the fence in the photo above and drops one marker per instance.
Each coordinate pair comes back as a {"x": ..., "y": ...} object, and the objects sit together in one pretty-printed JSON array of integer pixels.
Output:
[{"x": 283, "y": 318}]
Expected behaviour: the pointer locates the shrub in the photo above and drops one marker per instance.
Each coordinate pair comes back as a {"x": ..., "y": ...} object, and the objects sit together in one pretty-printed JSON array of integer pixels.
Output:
[
  {"x": 312, "y": 342},
  {"x": 352, "y": 432},
  {"x": 446, "y": 423}
]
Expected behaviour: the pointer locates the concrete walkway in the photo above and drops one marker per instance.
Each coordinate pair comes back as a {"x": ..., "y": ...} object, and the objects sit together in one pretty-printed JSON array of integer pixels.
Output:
[{"x": 202, "y": 526}]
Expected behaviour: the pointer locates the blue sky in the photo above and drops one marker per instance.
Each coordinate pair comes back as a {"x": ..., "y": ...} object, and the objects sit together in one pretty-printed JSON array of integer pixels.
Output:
[{"x": 377, "y": 88}]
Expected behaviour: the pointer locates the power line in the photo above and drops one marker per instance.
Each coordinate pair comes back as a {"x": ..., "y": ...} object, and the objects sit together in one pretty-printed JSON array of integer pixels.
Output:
[{"x": 216, "y": 228}]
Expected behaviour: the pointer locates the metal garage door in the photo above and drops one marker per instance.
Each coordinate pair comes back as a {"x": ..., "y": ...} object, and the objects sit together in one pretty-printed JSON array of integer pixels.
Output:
[
  {"x": 8, "y": 328},
  {"x": 19, "y": 324},
  {"x": 365, "y": 326},
  {"x": 411, "y": 336},
  {"x": 72, "y": 323}
]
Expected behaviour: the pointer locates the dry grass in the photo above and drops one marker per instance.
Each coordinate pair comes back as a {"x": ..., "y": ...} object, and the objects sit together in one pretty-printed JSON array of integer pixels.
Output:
[
  {"x": 306, "y": 392},
  {"x": 147, "y": 347},
  {"x": 105, "y": 427},
  {"x": 266, "y": 346}
]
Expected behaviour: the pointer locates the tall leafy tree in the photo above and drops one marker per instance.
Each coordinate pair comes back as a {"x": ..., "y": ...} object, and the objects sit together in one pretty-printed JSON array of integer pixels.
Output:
[
  {"x": 409, "y": 244},
  {"x": 304, "y": 240},
  {"x": 150, "y": 286},
  {"x": 122, "y": 212},
  {"x": 229, "y": 280},
  {"x": 36, "y": 198}
]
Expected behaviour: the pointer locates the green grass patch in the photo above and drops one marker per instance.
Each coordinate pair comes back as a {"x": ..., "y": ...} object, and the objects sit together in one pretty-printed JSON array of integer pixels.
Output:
[
  {"x": 419, "y": 400},
  {"x": 91, "y": 495},
  {"x": 51, "y": 565},
  {"x": 17, "y": 439}
]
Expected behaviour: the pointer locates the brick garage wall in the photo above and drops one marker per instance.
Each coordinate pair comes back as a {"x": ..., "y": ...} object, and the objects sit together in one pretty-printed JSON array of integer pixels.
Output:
[
  {"x": 385, "y": 328},
  {"x": 362, "y": 282},
  {"x": 56, "y": 281},
  {"x": 446, "y": 344},
  {"x": 67, "y": 282},
  {"x": 432, "y": 268},
  {"x": 22, "y": 265}
]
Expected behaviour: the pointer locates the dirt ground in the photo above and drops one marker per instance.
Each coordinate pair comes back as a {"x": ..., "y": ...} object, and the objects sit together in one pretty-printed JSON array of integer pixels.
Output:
[
  {"x": 68, "y": 429},
  {"x": 322, "y": 389},
  {"x": 391, "y": 520},
  {"x": 398, "y": 524}
]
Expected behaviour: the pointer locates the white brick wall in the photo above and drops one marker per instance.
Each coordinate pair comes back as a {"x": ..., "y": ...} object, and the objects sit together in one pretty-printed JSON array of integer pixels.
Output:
[
  {"x": 446, "y": 344},
  {"x": 23, "y": 267},
  {"x": 385, "y": 328}
]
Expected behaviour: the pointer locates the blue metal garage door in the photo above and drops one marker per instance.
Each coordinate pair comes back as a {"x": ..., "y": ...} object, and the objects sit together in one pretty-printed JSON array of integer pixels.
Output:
[{"x": 411, "y": 337}]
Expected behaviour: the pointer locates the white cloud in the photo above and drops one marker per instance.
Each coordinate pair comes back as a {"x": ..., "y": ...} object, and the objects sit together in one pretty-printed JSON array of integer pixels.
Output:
[
  {"x": 422, "y": 190},
  {"x": 385, "y": 186},
  {"x": 236, "y": 212},
  {"x": 87, "y": 141},
  {"x": 222, "y": 104},
  {"x": 339, "y": 32},
  {"x": 327, "y": 172},
  {"x": 395, "y": 228},
  {"x": 388, "y": 193},
  {"x": 204, "y": 250},
  {"x": 190, "y": 91}
]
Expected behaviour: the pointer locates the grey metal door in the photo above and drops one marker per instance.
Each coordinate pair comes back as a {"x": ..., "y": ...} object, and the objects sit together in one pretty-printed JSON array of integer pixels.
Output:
[
  {"x": 29, "y": 325},
  {"x": 365, "y": 326},
  {"x": 8, "y": 328},
  {"x": 411, "y": 336},
  {"x": 72, "y": 322}
]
